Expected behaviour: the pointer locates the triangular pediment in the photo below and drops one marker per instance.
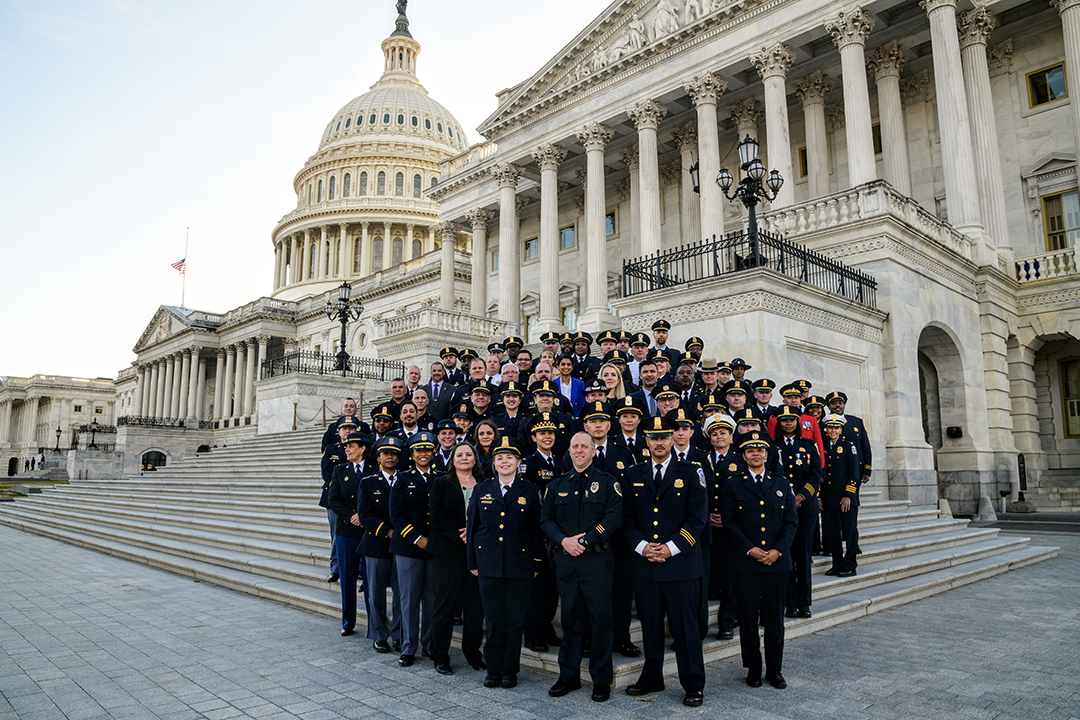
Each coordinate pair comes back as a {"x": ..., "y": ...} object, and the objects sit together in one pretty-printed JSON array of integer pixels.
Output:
[
  {"x": 167, "y": 321},
  {"x": 623, "y": 35},
  {"x": 1050, "y": 164}
]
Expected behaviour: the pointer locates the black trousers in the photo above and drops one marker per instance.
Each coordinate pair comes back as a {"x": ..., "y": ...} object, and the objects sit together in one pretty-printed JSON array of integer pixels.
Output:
[
  {"x": 453, "y": 581},
  {"x": 799, "y": 595},
  {"x": 504, "y": 613},
  {"x": 840, "y": 533},
  {"x": 679, "y": 600},
  {"x": 761, "y": 594},
  {"x": 703, "y": 590},
  {"x": 543, "y": 603},
  {"x": 585, "y": 585},
  {"x": 720, "y": 584},
  {"x": 622, "y": 597}
]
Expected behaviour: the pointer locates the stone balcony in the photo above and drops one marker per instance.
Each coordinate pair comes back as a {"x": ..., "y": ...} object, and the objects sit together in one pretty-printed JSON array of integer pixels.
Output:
[
  {"x": 418, "y": 336},
  {"x": 374, "y": 204}
]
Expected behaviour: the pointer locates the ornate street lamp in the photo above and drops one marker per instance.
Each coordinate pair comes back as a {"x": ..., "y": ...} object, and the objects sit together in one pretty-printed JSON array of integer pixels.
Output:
[
  {"x": 343, "y": 310},
  {"x": 695, "y": 177},
  {"x": 57, "y": 449},
  {"x": 750, "y": 190},
  {"x": 93, "y": 433}
]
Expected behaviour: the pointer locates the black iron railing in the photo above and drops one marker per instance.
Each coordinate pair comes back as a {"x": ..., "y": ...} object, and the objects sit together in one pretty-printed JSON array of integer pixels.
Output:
[
  {"x": 88, "y": 427},
  {"x": 738, "y": 251},
  {"x": 312, "y": 363},
  {"x": 151, "y": 422}
]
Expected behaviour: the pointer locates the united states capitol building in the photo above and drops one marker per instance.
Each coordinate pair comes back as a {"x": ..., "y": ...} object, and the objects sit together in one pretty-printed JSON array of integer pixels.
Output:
[{"x": 919, "y": 255}]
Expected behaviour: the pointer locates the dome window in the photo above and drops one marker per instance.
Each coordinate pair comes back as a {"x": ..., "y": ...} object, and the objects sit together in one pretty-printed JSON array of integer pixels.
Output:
[
  {"x": 346, "y": 185},
  {"x": 440, "y": 127},
  {"x": 415, "y": 121},
  {"x": 382, "y": 184},
  {"x": 333, "y": 186},
  {"x": 338, "y": 126},
  {"x": 359, "y": 120},
  {"x": 400, "y": 119},
  {"x": 449, "y": 131},
  {"x": 363, "y": 183},
  {"x": 416, "y": 184},
  {"x": 348, "y": 122},
  {"x": 386, "y": 119},
  {"x": 434, "y": 181},
  {"x": 399, "y": 185},
  {"x": 427, "y": 123},
  {"x": 319, "y": 196},
  {"x": 372, "y": 120}
]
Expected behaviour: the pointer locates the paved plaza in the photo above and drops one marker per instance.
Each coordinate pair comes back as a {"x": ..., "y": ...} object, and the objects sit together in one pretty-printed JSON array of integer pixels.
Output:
[{"x": 85, "y": 635}]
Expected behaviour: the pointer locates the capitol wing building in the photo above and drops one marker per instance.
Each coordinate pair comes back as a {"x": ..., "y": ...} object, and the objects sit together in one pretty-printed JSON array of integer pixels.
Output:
[{"x": 919, "y": 254}]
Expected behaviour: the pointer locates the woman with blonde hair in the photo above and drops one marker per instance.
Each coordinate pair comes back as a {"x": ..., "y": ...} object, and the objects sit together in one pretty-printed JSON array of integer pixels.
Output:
[{"x": 612, "y": 377}]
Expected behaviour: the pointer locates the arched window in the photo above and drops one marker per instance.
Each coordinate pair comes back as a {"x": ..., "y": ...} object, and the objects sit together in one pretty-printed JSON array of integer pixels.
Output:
[
  {"x": 439, "y": 125},
  {"x": 333, "y": 186},
  {"x": 416, "y": 183},
  {"x": 359, "y": 120},
  {"x": 363, "y": 183},
  {"x": 346, "y": 185},
  {"x": 319, "y": 198},
  {"x": 395, "y": 257},
  {"x": 399, "y": 185},
  {"x": 434, "y": 181},
  {"x": 356, "y": 255},
  {"x": 381, "y": 190},
  {"x": 400, "y": 119},
  {"x": 348, "y": 122},
  {"x": 153, "y": 459},
  {"x": 309, "y": 194},
  {"x": 427, "y": 123},
  {"x": 417, "y": 249},
  {"x": 386, "y": 118},
  {"x": 376, "y": 254},
  {"x": 338, "y": 126},
  {"x": 372, "y": 119},
  {"x": 313, "y": 268},
  {"x": 415, "y": 121}
]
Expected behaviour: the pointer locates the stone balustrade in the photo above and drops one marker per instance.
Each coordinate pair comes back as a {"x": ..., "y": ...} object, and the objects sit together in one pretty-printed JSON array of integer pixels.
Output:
[
  {"x": 871, "y": 200},
  {"x": 1046, "y": 265},
  {"x": 476, "y": 154},
  {"x": 440, "y": 321}
]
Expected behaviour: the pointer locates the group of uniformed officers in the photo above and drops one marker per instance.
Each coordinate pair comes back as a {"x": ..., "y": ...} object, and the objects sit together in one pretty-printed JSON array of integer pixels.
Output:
[{"x": 507, "y": 484}]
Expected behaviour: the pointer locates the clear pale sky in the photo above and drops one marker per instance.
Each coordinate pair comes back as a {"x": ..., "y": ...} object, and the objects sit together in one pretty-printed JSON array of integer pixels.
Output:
[{"x": 122, "y": 122}]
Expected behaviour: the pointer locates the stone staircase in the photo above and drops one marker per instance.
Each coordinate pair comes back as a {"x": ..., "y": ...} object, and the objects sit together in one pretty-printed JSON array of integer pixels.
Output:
[
  {"x": 246, "y": 517},
  {"x": 1057, "y": 490}
]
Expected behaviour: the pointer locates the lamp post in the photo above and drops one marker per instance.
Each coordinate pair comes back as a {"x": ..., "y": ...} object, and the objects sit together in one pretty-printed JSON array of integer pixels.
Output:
[
  {"x": 57, "y": 448},
  {"x": 695, "y": 177},
  {"x": 750, "y": 190},
  {"x": 93, "y": 433},
  {"x": 343, "y": 310}
]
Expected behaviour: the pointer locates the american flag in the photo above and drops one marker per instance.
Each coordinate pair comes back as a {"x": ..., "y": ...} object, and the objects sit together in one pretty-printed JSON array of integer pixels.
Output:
[{"x": 180, "y": 266}]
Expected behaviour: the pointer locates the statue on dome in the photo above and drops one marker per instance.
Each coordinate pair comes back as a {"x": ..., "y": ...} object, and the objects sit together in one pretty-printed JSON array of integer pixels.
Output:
[{"x": 402, "y": 24}]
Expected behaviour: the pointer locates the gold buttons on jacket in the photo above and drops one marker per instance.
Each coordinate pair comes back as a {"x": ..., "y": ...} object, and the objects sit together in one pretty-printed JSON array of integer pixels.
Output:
[
  {"x": 656, "y": 509},
  {"x": 762, "y": 529},
  {"x": 500, "y": 527},
  {"x": 762, "y": 516},
  {"x": 502, "y": 514},
  {"x": 762, "y": 502},
  {"x": 655, "y": 522}
]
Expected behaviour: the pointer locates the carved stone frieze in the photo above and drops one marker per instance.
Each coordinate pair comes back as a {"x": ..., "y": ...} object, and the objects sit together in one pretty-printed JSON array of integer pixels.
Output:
[
  {"x": 666, "y": 21},
  {"x": 999, "y": 58}
]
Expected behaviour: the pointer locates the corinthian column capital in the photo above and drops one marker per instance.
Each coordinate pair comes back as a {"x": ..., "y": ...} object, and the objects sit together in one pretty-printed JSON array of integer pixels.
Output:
[
  {"x": 630, "y": 157},
  {"x": 773, "y": 60},
  {"x": 975, "y": 27},
  {"x": 887, "y": 60},
  {"x": 506, "y": 174},
  {"x": 479, "y": 218},
  {"x": 1063, "y": 5},
  {"x": 813, "y": 88},
  {"x": 447, "y": 231},
  {"x": 853, "y": 27},
  {"x": 746, "y": 114},
  {"x": 549, "y": 156},
  {"x": 686, "y": 136},
  {"x": 646, "y": 114},
  {"x": 705, "y": 89},
  {"x": 595, "y": 136}
]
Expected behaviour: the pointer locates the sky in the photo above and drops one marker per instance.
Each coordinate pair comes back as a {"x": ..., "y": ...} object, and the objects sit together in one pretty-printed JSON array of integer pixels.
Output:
[{"x": 125, "y": 123}]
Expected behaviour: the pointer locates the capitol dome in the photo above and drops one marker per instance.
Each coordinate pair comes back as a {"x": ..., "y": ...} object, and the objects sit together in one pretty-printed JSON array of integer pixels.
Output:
[{"x": 360, "y": 203}]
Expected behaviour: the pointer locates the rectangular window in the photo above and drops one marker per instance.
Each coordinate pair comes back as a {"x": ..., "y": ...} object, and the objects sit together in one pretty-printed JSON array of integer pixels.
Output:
[
  {"x": 609, "y": 223},
  {"x": 804, "y": 168},
  {"x": 1047, "y": 85},
  {"x": 1070, "y": 395},
  {"x": 99, "y": 411},
  {"x": 494, "y": 261},
  {"x": 77, "y": 409},
  {"x": 566, "y": 237},
  {"x": 876, "y": 129},
  {"x": 531, "y": 321},
  {"x": 532, "y": 248},
  {"x": 569, "y": 318},
  {"x": 1061, "y": 218}
]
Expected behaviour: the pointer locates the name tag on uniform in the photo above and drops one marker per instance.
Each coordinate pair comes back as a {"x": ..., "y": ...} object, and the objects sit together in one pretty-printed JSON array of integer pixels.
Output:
[
  {"x": 639, "y": 484},
  {"x": 563, "y": 494}
]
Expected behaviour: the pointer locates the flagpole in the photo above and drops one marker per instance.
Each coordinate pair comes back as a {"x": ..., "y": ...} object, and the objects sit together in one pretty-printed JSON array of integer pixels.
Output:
[{"x": 183, "y": 283}]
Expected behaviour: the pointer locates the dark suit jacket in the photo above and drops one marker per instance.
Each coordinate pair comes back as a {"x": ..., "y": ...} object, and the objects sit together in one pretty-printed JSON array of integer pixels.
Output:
[
  {"x": 855, "y": 431},
  {"x": 640, "y": 394},
  {"x": 741, "y": 508},
  {"x": 440, "y": 409},
  {"x": 446, "y": 503},
  {"x": 675, "y": 511}
]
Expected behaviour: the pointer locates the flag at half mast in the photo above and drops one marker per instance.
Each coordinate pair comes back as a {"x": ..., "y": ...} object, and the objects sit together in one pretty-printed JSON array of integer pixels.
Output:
[{"x": 180, "y": 266}]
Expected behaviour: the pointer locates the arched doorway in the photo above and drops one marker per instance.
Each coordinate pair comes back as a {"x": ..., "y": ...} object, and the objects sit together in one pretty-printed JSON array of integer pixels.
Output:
[
  {"x": 12, "y": 466},
  {"x": 944, "y": 415},
  {"x": 152, "y": 460}
]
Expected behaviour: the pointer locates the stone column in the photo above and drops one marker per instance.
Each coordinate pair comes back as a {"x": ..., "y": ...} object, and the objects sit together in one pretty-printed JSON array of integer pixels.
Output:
[
  {"x": 548, "y": 158},
  {"x": 507, "y": 175},
  {"x": 249, "y": 378},
  {"x": 294, "y": 257},
  {"x": 705, "y": 90},
  {"x": 239, "y": 379},
  {"x": 597, "y": 316},
  {"x": 975, "y": 29},
  {"x": 227, "y": 390},
  {"x": 958, "y": 161},
  {"x": 448, "y": 236},
  {"x": 169, "y": 405},
  {"x": 219, "y": 384},
  {"x": 321, "y": 263},
  {"x": 479, "y": 219},
  {"x": 367, "y": 251},
  {"x": 305, "y": 267},
  {"x": 345, "y": 259},
  {"x": 199, "y": 411},
  {"x": 630, "y": 157},
  {"x": 849, "y": 31},
  {"x": 277, "y": 264},
  {"x": 646, "y": 116},
  {"x": 5, "y": 423},
  {"x": 885, "y": 63},
  {"x": 193, "y": 388},
  {"x": 812, "y": 91},
  {"x": 140, "y": 386},
  {"x": 745, "y": 116},
  {"x": 387, "y": 246},
  {"x": 185, "y": 383},
  {"x": 772, "y": 64},
  {"x": 406, "y": 249},
  {"x": 150, "y": 394},
  {"x": 283, "y": 277},
  {"x": 1070, "y": 29},
  {"x": 685, "y": 137}
]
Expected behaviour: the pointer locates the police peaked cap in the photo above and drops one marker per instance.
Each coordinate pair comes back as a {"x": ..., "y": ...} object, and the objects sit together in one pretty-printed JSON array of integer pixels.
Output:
[
  {"x": 447, "y": 352},
  {"x": 764, "y": 385},
  {"x": 786, "y": 411},
  {"x": 423, "y": 440},
  {"x": 505, "y": 446},
  {"x": 389, "y": 444},
  {"x": 631, "y": 404},
  {"x": 661, "y": 325},
  {"x": 550, "y": 337},
  {"x": 754, "y": 439},
  {"x": 659, "y": 427},
  {"x": 836, "y": 395},
  {"x": 541, "y": 421},
  {"x": 692, "y": 342},
  {"x": 679, "y": 417},
  {"x": 608, "y": 335},
  {"x": 360, "y": 438},
  {"x": 347, "y": 421},
  {"x": 513, "y": 340},
  {"x": 594, "y": 410},
  {"x": 737, "y": 386}
]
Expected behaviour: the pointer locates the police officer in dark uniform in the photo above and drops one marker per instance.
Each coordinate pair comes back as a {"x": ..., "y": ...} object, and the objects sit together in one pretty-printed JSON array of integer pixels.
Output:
[
  {"x": 454, "y": 375},
  {"x": 581, "y": 511},
  {"x": 758, "y": 512},
  {"x": 629, "y": 413},
  {"x": 585, "y": 365},
  {"x": 666, "y": 514},
  {"x": 840, "y": 498},
  {"x": 722, "y": 462},
  {"x": 511, "y": 421},
  {"x": 545, "y": 392},
  {"x": 660, "y": 330},
  {"x": 341, "y": 494},
  {"x": 763, "y": 390},
  {"x": 334, "y": 455},
  {"x": 855, "y": 431},
  {"x": 505, "y": 552},
  {"x": 373, "y": 507},
  {"x": 442, "y": 453},
  {"x": 802, "y": 468}
]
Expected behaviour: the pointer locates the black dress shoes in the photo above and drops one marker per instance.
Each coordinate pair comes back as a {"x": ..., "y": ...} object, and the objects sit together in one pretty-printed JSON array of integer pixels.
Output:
[
  {"x": 693, "y": 699},
  {"x": 791, "y": 614},
  {"x": 405, "y": 661},
  {"x": 601, "y": 692},
  {"x": 562, "y": 687},
  {"x": 832, "y": 571},
  {"x": 346, "y": 632},
  {"x": 443, "y": 669},
  {"x": 510, "y": 681},
  {"x": 777, "y": 681},
  {"x": 628, "y": 649},
  {"x": 425, "y": 653},
  {"x": 846, "y": 573},
  {"x": 381, "y": 646},
  {"x": 753, "y": 680},
  {"x": 638, "y": 689},
  {"x": 537, "y": 647},
  {"x": 332, "y": 577},
  {"x": 725, "y": 635},
  {"x": 478, "y": 665},
  {"x": 805, "y": 613},
  {"x": 397, "y": 646},
  {"x": 491, "y": 682}
]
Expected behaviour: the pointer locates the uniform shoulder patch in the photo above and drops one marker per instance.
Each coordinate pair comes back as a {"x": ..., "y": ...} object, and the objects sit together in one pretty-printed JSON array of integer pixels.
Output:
[
  {"x": 701, "y": 476},
  {"x": 618, "y": 490}
]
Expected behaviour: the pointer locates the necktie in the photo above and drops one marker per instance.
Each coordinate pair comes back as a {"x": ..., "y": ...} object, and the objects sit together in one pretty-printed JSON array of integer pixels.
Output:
[
  {"x": 391, "y": 479},
  {"x": 682, "y": 456},
  {"x": 356, "y": 469},
  {"x": 504, "y": 489},
  {"x": 600, "y": 455},
  {"x": 659, "y": 478},
  {"x": 435, "y": 394},
  {"x": 630, "y": 446},
  {"x": 757, "y": 479},
  {"x": 424, "y": 475},
  {"x": 686, "y": 399}
]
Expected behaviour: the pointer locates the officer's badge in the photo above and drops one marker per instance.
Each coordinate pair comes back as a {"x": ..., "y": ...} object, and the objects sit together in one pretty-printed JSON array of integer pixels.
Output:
[
  {"x": 521, "y": 501},
  {"x": 798, "y": 461},
  {"x": 618, "y": 490},
  {"x": 732, "y": 467},
  {"x": 594, "y": 488},
  {"x": 779, "y": 493},
  {"x": 678, "y": 483},
  {"x": 840, "y": 449},
  {"x": 619, "y": 465}
]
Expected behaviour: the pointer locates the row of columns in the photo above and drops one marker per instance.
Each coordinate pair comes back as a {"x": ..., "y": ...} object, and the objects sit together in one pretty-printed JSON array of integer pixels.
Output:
[
  {"x": 334, "y": 251},
  {"x": 19, "y": 429}
]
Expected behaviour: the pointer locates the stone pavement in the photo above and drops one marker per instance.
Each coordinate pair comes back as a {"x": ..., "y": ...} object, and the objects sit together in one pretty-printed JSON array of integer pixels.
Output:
[{"x": 85, "y": 635}]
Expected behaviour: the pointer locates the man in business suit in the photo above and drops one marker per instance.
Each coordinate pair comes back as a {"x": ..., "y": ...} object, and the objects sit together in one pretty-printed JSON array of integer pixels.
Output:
[
  {"x": 341, "y": 494},
  {"x": 758, "y": 512},
  {"x": 451, "y": 372},
  {"x": 373, "y": 507},
  {"x": 649, "y": 377},
  {"x": 440, "y": 393},
  {"x": 666, "y": 514}
]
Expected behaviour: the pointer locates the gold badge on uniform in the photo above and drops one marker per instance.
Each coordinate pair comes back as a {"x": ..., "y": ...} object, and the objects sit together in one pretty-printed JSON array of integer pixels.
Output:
[
  {"x": 595, "y": 487},
  {"x": 732, "y": 467},
  {"x": 840, "y": 449},
  {"x": 678, "y": 483},
  {"x": 798, "y": 461},
  {"x": 521, "y": 501},
  {"x": 619, "y": 465}
]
